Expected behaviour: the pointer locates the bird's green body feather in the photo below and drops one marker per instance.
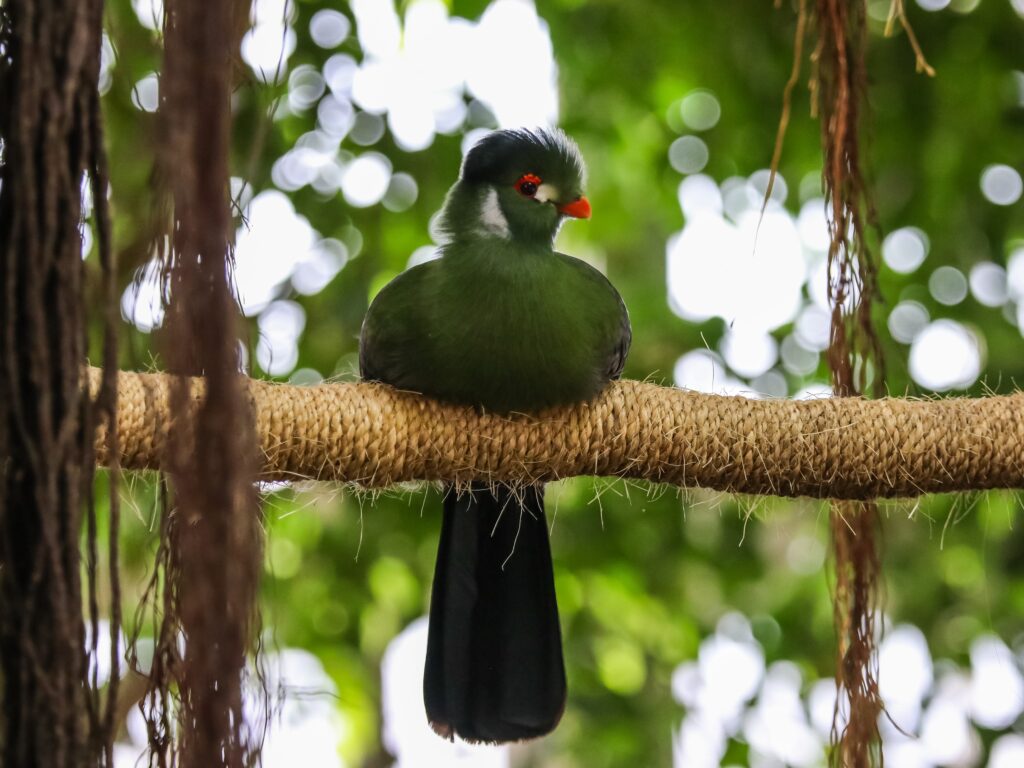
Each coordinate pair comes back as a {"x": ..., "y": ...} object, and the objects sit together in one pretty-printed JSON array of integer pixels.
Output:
[
  {"x": 500, "y": 324},
  {"x": 501, "y": 320},
  {"x": 504, "y": 322}
]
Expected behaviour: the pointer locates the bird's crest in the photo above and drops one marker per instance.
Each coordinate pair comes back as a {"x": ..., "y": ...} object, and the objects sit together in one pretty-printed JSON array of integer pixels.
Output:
[{"x": 501, "y": 152}]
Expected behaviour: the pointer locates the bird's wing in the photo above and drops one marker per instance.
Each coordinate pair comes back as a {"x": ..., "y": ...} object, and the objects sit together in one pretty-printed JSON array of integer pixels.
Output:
[
  {"x": 617, "y": 360},
  {"x": 394, "y": 326},
  {"x": 618, "y": 333},
  {"x": 367, "y": 369}
]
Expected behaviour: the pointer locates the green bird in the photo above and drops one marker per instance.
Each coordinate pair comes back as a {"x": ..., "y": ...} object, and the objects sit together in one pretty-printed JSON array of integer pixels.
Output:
[{"x": 503, "y": 322}]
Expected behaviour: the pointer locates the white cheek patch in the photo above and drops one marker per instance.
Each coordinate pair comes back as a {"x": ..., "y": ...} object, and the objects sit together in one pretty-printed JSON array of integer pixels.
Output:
[
  {"x": 492, "y": 219},
  {"x": 546, "y": 193}
]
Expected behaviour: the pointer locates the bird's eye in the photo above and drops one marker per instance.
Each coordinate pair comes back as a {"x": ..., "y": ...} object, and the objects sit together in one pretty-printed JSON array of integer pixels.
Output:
[{"x": 527, "y": 184}]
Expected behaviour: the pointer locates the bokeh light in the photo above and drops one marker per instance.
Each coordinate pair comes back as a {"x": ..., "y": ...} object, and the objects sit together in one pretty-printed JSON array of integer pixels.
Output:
[
  {"x": 759, "y": 181},
  {"x": 1007, "y": 751},
  {"x": 329, "y": 28},
  {"x": 142, "y": 304},
  {"x": 946, "y": 733},
  {"x": 108, "y": 58},
  {"x": 716, "y": 267},
  {"x": 318, "y": 266},
  {"x": 1015, "y": 275},
  {"x": 304, "y": 725},
  {"x": 798, "y": 358},
  {"x": 146, "y": 93},
  {"x": 307, "y": 726},
  {"x": 699, "y": 194},
  {"x": 280, "y": 326},
  {"x": 150, "y": 13},
  {"x": 314, "y": 160},
  {"x": 715, "y": 690},
  {"x": 988, "y": 284},
  {"x": 703, "y": 371},
  {"x": 945, "y": 355},
  {"x": 688, "y": 154},
  {"x": 416, "y": 70},
  {"x": 401, "y": 193},
  {"x": 268, "y": 249},
  {"x": 805, "y": 555},
  {"x": 700, "y": 110},
  {"x": 777, "y": 726},
  {"x": 770, "y": 384},
  {"x": 405, "y": 732},
  {"x": 271, "y": 40},
  {"x": 948, "y": 285},
  {"x": 904, "y": 250},
  {"x": 997, "y": 689},
  {"x": 365, "y": 180},
  {"x": 749, "y": 352},
  {"x": 813, "y": 226},
  {"x": 305, "y": 87},
  {"x": 905, "y": 676},
  {"x": 335, "y": 116},
  {"x": 422, "y": 255},
  {"x": 99, "y": 662},
  {"x": 933, "y": 710},
  {"x": 1001, "y": 184},
  {"x": 339, "y": 72},
  {"x": 814, "y": 328},
  {"x": 907, "y": 320},
  {"x": 513, "y": 69},
  {"x": 367, "y": 129}
]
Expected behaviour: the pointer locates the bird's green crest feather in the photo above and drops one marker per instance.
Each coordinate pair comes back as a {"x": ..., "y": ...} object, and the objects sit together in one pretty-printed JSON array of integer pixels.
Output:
[{"x": 484, "y": 201}]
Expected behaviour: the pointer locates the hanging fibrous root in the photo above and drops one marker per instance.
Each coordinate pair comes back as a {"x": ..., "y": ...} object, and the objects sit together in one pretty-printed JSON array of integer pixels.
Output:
[
  {"x": 837, "y": 87},
  {"x": 854, "y": 527},
  {"x": 204, "y": 590},
  {"x": 856, "y": 362},
  {"x": 52, "y": 709},
  {"x": 898, "y": 11}
]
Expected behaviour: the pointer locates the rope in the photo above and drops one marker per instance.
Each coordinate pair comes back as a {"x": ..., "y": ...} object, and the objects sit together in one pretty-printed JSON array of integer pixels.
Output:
[{"x": 844, "y": 448}]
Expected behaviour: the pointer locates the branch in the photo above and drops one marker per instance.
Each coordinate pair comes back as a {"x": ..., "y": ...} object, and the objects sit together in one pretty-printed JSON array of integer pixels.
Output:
[{"x": 844, "y": 448}]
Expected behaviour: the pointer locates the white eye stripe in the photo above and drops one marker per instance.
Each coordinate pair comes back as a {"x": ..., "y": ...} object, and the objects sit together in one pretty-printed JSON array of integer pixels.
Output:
[
  {"x": 492, "y": 219},
  {"x": 546, "y": 193}
]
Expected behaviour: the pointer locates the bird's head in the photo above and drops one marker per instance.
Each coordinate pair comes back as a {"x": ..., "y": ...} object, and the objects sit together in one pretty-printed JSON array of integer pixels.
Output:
[{"x": 517, "y": 184}]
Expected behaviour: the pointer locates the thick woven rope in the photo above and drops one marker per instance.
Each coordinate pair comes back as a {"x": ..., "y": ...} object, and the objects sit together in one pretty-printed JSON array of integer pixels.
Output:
[{"x": 846, "y": 448}]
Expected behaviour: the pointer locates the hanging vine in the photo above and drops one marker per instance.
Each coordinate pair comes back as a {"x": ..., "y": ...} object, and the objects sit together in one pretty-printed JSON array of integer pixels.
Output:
[
  {"x": 205, "y": 587},
  {"x": 838, "y": 86},
  {"x": 51, "y": 138}
]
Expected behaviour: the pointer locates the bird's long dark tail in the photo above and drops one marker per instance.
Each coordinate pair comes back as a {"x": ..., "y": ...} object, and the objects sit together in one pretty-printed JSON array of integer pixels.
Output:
[{"x": 494, "y": 669}]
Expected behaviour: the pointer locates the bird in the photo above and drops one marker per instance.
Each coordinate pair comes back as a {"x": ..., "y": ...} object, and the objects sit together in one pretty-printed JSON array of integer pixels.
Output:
[{"x": 502, "y": 322}]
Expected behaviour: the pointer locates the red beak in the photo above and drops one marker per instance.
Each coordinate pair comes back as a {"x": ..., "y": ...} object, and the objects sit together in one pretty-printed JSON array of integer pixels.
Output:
[{"x": 577, "y": 209}]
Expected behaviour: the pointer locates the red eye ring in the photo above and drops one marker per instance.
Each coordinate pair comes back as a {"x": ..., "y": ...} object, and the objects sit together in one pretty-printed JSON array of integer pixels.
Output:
[{"x": 527, "y": 184}]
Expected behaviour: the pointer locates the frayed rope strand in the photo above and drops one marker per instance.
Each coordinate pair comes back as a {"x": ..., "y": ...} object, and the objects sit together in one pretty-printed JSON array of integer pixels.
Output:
[{"x": 841, "y": 448}]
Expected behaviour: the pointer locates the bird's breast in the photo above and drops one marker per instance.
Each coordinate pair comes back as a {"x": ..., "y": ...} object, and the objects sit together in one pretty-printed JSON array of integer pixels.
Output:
[{"x": 518, "y": 343}]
